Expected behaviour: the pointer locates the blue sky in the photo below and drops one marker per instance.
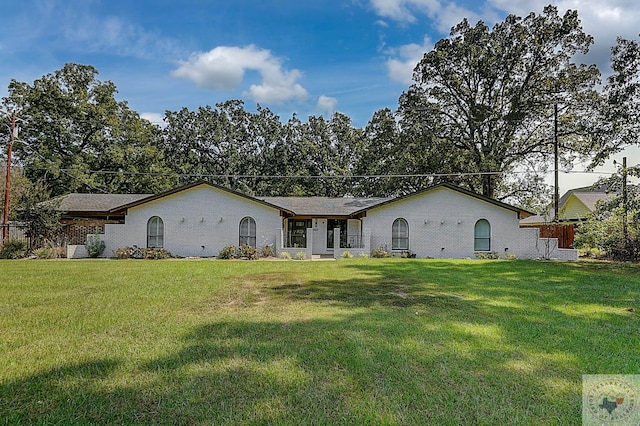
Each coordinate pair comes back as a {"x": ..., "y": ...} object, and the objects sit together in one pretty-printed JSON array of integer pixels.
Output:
[{"x": 292, "y": 56}]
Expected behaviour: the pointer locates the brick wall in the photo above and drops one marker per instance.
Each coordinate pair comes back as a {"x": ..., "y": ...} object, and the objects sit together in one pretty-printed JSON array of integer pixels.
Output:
[
  {"x": 442, "y": 223},
  {"x": 75, "y": 233},
  {"x": 198, "y": 221}
]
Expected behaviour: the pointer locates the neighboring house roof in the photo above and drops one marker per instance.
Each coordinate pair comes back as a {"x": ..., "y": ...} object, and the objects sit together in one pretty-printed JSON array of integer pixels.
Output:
[
  {"x": 521, "y": 212},
  {"x": 574, "y": 205},
  {"x": 591, "y": 199},
  {"x": 325, "y": 206},
  {"x": 76, "y": 202}
]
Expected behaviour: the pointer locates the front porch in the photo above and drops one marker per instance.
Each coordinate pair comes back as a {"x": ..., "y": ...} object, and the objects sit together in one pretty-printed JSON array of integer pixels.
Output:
[{"x": 323, "y": 237}]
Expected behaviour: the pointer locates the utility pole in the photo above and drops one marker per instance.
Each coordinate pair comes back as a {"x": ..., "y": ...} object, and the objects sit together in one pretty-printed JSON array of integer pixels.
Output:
[
  {"x": 625, "y": 232},
  {"x": 556, "y": 193},
  {"x": 7, "y": 184}
]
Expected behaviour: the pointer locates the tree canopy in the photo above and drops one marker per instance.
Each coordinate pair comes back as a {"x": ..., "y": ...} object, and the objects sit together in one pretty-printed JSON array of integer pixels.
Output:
[
  {"x": 75, "y": 136},
  {"x": 479, "y": 114},
  {"x": 486, "y": 97}
]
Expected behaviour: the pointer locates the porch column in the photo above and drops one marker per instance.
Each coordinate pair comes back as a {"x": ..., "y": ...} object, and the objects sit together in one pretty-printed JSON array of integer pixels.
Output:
[
  {"x": 309, "y": 248},
  {"x": 366, "y": 240},
  {"x": 279, "y": 242},
  {"x": 337, "y": 250}
]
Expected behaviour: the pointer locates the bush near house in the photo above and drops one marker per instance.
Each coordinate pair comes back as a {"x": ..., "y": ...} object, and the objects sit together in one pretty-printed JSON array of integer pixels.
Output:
[
  {"x": 49, "y": 252},
  {"x": 13, "y": 249},
  {"x": 379, "y": 253},
  {"x": 141, "y": 253},
  {"x": 95, "y": 246},
  {"x": 229, "y": 252},
  {"x": 268, "y": 251},
  {"x": 491, "y": 255},
  {"x": 247, "y": 252}
]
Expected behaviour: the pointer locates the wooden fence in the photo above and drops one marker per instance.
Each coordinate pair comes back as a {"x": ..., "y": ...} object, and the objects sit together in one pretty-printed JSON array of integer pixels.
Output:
[
  {"x": 15, "y": 231},
  {"x": 564, "y": 233}
]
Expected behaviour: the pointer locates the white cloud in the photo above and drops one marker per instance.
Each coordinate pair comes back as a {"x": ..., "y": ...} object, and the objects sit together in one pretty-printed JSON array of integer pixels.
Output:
[
  {"x": 404, "y": 10},
  {"x": 154, "y": 117},
  {"x": 223, "y": 68},
  {"x": 401, "y": 68},
  {"x": 443, "y": 14},
  {"x": 114, "y": 34},
  {"x": 327, "y": 103}
]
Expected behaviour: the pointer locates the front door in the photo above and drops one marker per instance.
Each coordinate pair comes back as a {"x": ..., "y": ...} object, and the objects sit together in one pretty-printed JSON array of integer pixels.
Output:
[
  {"x": 333, "y": 224},
  {"x": 297, "y": 232}
]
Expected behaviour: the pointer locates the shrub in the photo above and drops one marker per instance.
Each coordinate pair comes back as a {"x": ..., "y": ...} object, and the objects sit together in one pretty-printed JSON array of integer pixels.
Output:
[
  {"x": 13, "y": 249},
  {"x": 229, "y": 252},
  {"x": 487, "y": 255},
  {"x": 301, "y": 255},
  {"x": 347, "y": 254},
  {"x": 364, "y": 256},
  {"x": 268, "y": 251},
  {"x": 510, "y": 256},
  {"x": 408, "y": 254},
  {"x": 247, "y": 252},
  {"x": 141, "y": 253},
  {"x": 379, "y": 253},
  {"x": 154, "y": 253},
  {"x": 47, "y": 252},
  {"x": 123, "y": 253},
  {"x": 285, "y": 255},
  {"x": 95, "y": 246}
]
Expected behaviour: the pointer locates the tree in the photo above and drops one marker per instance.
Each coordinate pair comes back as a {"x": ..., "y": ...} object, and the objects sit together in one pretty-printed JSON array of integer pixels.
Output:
[
  {"x": 619, "y": 122},
  {"x": 613, "y": 228},
  {"x": 603, "y": 231},
  {"x": 491, "y": 92},
  {"x": 75, "y": 136},
  {"x": 40, "y": 213},
  {"x": 20, "y": 186}
]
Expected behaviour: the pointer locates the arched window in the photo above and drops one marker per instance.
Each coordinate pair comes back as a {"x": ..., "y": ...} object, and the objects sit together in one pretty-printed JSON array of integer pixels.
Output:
[
  {"x": 482, "y": 236},
  {"x": 400, "y": 235},
  {"x": 248, "y": 232},
  {"x": 155, "y": 232}
]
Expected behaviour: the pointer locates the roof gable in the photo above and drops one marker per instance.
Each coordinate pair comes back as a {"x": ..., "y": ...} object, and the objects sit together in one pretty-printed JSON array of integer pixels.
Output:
[
  {"x": 521, "y": 212},
  {"x": 191, "y": 186}
]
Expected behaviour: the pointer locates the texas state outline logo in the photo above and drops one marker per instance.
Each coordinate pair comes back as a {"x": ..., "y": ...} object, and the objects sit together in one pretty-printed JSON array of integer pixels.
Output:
[{"x": 610, "y": 399}]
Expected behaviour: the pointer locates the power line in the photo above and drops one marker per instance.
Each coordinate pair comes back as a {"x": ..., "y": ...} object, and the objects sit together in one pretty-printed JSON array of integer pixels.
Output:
[
  {"x": 377, "y": 176},
  {"x": 238, "y": 176}
]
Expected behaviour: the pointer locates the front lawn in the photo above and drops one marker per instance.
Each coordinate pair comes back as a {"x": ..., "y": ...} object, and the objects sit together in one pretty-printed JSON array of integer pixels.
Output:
[{"x": 361, "y": 341}]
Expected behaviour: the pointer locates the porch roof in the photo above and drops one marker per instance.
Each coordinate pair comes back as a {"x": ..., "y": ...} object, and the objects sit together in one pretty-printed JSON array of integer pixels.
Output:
[{"x": 323, "y": 206}]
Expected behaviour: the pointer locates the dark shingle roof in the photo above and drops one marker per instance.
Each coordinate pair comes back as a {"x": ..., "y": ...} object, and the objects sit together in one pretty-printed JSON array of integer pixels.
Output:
[
  {"x": 324, "y": 206},
  {"x": 76, "y": 202}
]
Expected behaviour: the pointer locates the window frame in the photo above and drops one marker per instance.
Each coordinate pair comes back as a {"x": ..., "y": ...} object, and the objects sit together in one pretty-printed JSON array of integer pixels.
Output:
[
  {"x": 396, "y": 237},
  {"x": 247, "y": 238},
  {"x": 479, "y": 240},
  {"x": 155, "y": 234}
]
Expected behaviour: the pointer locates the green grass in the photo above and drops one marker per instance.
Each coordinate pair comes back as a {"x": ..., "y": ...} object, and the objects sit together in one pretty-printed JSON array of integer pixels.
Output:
[{"x": 359, "y": 341}]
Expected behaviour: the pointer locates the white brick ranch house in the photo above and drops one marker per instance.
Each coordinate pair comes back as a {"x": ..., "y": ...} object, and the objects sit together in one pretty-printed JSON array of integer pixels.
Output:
[{"x": 443, "y": 221}]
